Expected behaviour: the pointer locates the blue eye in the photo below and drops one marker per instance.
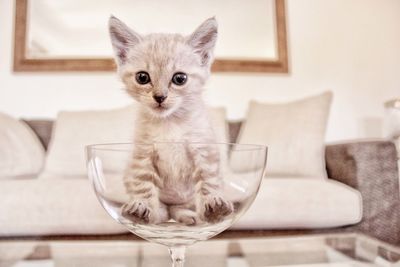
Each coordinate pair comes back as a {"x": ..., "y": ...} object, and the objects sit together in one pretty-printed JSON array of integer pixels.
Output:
[
  {"x": 179, "y": 78},
  {"x": 142, "y": 77}
]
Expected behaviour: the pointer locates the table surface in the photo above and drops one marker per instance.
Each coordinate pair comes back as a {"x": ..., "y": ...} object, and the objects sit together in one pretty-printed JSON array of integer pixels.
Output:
[{"x": 336, "y": 250}]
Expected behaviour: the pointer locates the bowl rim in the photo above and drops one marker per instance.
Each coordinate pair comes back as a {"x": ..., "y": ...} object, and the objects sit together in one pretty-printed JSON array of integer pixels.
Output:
[{"x": 111, "y": 146}]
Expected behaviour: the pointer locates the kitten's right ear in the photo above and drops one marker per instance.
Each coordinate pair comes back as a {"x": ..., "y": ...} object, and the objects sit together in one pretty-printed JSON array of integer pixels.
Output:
[{"x": 122, "y": 38}]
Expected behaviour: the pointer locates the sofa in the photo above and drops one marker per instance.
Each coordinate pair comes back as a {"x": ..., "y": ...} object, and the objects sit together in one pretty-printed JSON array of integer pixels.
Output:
[{"x": 359, "y": 193}]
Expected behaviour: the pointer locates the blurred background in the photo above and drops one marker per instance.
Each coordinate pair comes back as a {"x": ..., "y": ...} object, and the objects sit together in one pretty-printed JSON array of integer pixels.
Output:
[{"x": 348, "y": 47}]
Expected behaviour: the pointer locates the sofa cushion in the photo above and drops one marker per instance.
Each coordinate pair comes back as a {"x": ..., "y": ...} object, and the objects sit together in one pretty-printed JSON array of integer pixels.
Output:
[
  {"x": 302, "y": 203},
  {"x": 221, "y": 129},
  {"x": 52, "y": 206},
  {"x": 48, "y": 207},
  {"x": 21, "y": 152},
  {"x": 219, "y": 124},
  {"x": 75, "y": 130},
  {"x": 294, "y": 133}
]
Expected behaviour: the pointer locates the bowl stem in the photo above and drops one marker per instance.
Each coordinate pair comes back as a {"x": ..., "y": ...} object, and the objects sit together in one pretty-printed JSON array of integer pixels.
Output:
[{"x": 177, "y": 254}]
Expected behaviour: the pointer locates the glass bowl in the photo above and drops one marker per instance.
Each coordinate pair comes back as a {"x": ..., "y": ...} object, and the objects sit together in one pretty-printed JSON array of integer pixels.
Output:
[{"x": 180, "y": 174}]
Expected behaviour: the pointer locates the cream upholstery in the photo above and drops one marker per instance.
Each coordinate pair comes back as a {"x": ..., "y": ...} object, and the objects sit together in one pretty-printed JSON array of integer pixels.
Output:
[
  {"x": 52, "y": 206},
  {"x": 69, "y": 206},
  {"x": 48, "y": 207},
  {"x": 294, "y": 133},
  {"x": 301, "y": 203},
  {"x": 74, "y": 130},
  {"x": 21, "y": 152}
]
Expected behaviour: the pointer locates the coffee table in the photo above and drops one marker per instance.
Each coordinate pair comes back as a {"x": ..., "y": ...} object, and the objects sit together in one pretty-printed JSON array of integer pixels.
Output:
[{"x": 338, "y": 250}]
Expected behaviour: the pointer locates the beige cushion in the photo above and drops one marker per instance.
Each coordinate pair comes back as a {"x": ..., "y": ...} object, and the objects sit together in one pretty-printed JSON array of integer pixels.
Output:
[
  {"x": 302, "y": 203},
  {"x": 220, "y": 127},
  {"x": 69, "y": 206},
  {"x": 21, "y": 152},
  {"x": 219, "y": 124},
  {"x": 294, "y": 133},
  {"x": 52, "y": 206},
  {"x": 75, "y": 130}
]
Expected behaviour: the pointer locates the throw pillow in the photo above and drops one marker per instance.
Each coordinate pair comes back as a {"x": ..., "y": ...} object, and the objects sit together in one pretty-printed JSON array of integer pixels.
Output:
[
  {"x": 219, "y": 123},
  {"x": 21, "y": 152},
  {"x": 294, "y": 133},
  {"x": 74, "y": 130}
]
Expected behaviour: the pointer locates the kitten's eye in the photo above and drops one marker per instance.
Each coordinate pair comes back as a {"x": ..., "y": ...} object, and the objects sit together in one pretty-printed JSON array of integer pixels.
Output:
[
  {"x": 179, "y": 78},
  {"x": 142, "y": 77}
]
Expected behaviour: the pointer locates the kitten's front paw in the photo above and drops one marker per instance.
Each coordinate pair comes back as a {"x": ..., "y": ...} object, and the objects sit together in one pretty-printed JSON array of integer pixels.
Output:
[
  {"x": 187, "y": 217},
  {"x": 138, "y": 211},
  {"x": 216, "y": 208}
]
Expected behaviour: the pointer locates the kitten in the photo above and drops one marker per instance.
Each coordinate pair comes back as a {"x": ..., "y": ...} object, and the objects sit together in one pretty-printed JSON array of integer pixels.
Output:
[{"x": 166, "y": 73}]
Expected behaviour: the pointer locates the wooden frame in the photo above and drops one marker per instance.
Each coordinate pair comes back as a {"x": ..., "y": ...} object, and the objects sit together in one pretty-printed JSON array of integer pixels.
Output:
[{"x": 22, "y": 63}]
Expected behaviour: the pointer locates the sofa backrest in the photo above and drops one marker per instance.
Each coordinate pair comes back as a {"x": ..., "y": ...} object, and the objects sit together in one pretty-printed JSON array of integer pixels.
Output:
[{"x": 43, "y": 129}]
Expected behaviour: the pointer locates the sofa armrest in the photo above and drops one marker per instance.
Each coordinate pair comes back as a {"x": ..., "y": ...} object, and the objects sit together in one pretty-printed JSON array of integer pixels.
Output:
[{"x": 371, "y": 168}]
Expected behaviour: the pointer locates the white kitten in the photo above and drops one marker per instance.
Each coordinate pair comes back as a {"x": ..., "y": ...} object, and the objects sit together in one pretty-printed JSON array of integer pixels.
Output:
[{"x": 166, "y": 73}]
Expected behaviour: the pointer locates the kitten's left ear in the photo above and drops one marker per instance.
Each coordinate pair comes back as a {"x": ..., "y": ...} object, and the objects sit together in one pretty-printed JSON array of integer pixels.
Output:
[{"x": 203, "y": 40}]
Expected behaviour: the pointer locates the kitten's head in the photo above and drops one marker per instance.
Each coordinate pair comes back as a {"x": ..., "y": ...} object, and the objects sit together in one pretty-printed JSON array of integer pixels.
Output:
[{"x": 164, "y": 72}]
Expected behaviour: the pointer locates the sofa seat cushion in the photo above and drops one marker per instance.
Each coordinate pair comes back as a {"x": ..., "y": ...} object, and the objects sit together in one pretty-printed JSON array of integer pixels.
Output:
[
  {"x": 52, "y": 207},
  {"x": 69, "y": 206},
  {"x": 301, "y": 203}
]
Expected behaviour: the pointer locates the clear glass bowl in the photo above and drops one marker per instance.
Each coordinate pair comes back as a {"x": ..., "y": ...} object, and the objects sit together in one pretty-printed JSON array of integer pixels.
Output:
[{"x": 241, "y": 169}]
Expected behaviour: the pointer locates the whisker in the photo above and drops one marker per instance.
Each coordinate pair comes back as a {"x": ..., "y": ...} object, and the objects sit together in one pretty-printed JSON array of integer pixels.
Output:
[
  {"x": 150, "y": 96},
  {"x": 144, "y": 95}
]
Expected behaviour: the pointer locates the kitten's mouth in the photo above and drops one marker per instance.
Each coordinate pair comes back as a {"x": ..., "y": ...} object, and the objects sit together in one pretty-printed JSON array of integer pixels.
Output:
[
  {"x": 160, "y": 107},
  {"x": 164, "y": 109}
]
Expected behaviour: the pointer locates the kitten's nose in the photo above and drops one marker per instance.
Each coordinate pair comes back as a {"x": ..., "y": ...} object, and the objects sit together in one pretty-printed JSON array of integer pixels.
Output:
[{"x": 159, "y": 98}]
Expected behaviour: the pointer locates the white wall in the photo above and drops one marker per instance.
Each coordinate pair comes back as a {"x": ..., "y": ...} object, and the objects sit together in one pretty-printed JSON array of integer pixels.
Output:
[{"x": 349, "y": 47}]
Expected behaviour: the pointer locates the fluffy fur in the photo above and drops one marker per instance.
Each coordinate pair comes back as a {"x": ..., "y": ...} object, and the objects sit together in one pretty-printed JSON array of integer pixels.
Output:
[{"x": 180, "y": 181}]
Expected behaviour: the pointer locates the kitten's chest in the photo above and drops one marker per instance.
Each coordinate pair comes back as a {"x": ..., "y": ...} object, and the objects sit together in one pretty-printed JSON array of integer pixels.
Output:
[
  {"x": 173, "y": 161},
  {"x": 169, "y": 133},
  {"x": 175, "y": 169}
]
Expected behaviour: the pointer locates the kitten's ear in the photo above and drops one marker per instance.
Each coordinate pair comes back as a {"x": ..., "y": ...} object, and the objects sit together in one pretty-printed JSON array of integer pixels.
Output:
[
  {"x": 122, "y": 38},
  {"x": 203, "y": 40}
]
